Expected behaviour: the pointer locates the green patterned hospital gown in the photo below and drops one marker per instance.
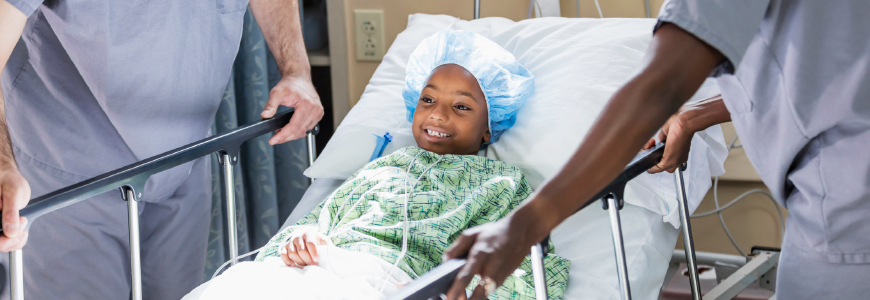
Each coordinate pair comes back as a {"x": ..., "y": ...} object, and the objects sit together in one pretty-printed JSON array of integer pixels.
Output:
[{"x": 461, "y": 191}]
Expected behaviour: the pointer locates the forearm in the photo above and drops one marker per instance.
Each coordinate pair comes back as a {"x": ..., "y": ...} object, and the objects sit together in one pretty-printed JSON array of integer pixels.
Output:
[
  {"x": 7, "y": 158},
  {"x": 281, "y": 26},
  {"x": 11, "y": 25},
  {"x": 676, "y": 65},
  {"x": 700, "y": 115}
]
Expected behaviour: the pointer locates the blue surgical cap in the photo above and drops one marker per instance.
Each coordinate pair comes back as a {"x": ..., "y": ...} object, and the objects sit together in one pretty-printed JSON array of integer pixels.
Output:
[{"x": 505, "y": 83}]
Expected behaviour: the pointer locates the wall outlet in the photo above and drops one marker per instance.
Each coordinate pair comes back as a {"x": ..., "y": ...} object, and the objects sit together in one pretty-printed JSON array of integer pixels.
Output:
[{"x": 369, "y": 28}]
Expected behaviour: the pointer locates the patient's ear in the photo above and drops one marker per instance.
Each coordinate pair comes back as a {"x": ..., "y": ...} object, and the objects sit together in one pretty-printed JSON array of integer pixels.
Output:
[{"x": 486, "y": 136}]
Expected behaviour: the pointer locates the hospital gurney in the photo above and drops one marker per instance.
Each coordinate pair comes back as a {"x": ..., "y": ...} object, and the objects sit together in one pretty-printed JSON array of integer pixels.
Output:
[{"x": 131, "y": 181}]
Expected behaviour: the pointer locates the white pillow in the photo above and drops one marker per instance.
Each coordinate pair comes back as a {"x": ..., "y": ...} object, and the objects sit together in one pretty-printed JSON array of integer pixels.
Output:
[{"x": 578, "y": 64}]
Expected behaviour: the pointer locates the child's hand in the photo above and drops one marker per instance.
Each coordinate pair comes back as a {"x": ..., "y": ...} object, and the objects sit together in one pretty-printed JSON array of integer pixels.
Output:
[{"x": 301, "y": 250}]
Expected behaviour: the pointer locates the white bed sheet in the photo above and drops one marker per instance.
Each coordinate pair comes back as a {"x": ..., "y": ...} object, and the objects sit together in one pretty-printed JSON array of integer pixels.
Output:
[
  {"x": 316, "y": 193},
  {"x": 359, "y": 276}
]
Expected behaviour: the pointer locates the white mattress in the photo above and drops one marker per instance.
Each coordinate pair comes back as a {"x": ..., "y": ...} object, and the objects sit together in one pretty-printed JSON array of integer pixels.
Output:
[{"x": 316, "y": 193}]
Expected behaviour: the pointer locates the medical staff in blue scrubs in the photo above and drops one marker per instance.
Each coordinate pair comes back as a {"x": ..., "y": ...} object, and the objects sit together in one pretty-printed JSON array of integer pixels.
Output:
[
  {"x": 795, "y": 81},
  {"x": 90, "y": 86}
]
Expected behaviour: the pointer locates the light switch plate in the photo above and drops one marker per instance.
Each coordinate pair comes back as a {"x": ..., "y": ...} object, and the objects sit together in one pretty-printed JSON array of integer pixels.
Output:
[{"x": 369, "y": 28}]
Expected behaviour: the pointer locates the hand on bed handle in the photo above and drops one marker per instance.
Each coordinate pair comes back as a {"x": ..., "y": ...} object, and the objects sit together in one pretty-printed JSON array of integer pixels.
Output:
[
  {"x": 679, "y": 129},
  {"x": 677, "y": 137},
  {"x": 487, "y": 255},
  {"x": 14, "y": 195},
  {"x": 302, "y": 249},
  {"x": 297, "y": 92}
]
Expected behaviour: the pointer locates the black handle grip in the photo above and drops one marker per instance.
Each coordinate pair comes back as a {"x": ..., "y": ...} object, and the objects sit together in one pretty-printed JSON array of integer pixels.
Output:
[
  {"x": 641, "y": 162},
  {"x": 432, "y": 284}
]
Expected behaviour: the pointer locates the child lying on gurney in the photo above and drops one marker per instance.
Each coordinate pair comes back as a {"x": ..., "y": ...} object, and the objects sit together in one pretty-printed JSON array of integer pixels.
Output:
[{"x": 409, "y": 206}]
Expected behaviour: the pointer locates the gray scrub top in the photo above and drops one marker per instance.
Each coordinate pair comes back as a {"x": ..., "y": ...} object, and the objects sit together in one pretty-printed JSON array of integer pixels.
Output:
[
  {"x": 796, "y": 80},
  {"x": 94, "y": 85}
]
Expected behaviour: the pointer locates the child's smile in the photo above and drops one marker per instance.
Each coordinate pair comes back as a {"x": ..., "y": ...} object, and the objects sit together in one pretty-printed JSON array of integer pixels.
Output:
[{"x": 436, "y": 134}]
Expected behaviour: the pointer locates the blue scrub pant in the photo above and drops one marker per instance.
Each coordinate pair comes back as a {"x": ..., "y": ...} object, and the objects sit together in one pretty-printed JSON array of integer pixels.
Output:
[{"x": 82, "y": 251}]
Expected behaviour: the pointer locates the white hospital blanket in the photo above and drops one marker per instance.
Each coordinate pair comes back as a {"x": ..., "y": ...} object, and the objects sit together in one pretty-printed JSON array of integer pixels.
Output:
[{"x": 359, "y": 276}]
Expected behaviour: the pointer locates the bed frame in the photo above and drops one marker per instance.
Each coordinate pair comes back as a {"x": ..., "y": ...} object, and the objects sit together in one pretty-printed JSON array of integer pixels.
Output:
[{"x": 131, "y": 182}]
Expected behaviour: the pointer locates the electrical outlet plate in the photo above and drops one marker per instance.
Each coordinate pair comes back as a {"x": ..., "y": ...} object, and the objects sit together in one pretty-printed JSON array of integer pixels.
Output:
[{"x": 369, "y": 28}]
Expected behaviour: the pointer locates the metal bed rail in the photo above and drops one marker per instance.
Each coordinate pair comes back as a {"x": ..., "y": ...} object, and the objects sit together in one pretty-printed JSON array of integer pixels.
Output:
[
  {"x": 131, "y": 179},
  {"x": 433, "y": 284}
]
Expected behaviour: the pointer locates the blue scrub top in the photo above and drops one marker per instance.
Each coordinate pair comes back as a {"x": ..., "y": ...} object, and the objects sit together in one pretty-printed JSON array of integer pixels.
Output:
[
  {"x": 96, "y": 85},
  {"x": 796, "y": 80}
]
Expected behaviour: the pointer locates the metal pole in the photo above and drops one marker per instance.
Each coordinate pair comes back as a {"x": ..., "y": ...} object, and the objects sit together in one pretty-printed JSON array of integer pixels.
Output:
[
  {"x": 538, "y": 272},
  {"x": 312, "y": 149},
  {"x": 16, "y": 275},
  {"x": 135, "y": 262},
  {"x": 707, "y": 258},
  {"x": 312, "y": 152},
  {"x": 476, "y": 9},
  {"x": 688, "y": 242},
  {"x": 230, "y": 188},
  {"x": 618, "y": 247},
  {"x": 646, "y": 2}
]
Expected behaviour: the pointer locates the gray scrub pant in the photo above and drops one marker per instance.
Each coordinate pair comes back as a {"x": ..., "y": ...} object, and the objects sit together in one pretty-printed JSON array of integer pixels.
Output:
[
  {"x": 81, "y": 251},
  {"x": 806, "y": 274}
]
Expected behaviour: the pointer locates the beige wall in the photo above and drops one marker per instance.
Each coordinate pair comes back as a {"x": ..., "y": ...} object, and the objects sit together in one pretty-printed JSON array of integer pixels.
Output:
[
  {"x": 610, "y": 8},
  {"x": 752, "y": 221}
]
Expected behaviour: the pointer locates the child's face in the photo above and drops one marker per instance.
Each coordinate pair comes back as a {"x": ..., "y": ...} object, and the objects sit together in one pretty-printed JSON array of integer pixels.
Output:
[{"x": 451, "y": 115}]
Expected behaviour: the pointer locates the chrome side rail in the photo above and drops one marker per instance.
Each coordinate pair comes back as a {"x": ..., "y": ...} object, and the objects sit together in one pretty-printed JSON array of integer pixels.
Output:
[
  {"x": 686, "y": 227},
  {"x": 131, "y": 181}
]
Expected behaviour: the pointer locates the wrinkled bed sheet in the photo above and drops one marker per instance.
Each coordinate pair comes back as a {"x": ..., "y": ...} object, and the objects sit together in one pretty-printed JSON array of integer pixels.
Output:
[{"x": 342, "y": 274}]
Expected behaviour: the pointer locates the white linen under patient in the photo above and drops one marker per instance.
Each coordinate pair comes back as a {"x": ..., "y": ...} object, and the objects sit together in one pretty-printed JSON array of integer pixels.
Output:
[{"x": 342, "y": 274}]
